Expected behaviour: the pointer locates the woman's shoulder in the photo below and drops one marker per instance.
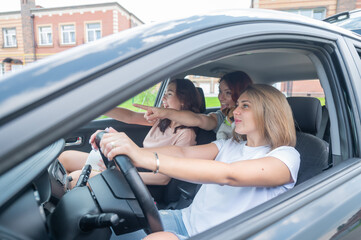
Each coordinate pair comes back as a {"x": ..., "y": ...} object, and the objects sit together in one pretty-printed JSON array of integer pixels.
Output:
[
  {"x": 230, "y": 142},
  {"x": 288, "y": 149},
  {"x": 186, "y": 131},
  {"x": 185, "y": 137},
  {"x": 286, "y": 154}
]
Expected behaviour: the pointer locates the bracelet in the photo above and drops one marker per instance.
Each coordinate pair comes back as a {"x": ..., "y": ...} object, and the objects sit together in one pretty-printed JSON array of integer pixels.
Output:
[{"x": 157, "y": 163}]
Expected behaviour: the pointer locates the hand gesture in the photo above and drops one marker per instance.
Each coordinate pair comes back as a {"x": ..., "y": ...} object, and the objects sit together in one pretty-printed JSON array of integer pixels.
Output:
[{"x": 152, "y": 114}]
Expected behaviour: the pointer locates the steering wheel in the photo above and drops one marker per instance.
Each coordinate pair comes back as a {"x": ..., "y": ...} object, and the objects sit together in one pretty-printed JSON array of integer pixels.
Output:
[{"x": 138, "y": 187}]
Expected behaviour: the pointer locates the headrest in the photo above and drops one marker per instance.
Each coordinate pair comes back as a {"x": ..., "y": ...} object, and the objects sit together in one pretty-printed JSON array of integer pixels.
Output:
[
  {"x": 307, "y": 113},
  {"x": 202, "y": 109}
]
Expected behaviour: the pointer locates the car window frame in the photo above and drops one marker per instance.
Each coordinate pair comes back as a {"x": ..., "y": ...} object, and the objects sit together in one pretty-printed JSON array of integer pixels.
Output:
[
  {"x": 156, "y": 64},
  {"x": 292, "y": 200}
]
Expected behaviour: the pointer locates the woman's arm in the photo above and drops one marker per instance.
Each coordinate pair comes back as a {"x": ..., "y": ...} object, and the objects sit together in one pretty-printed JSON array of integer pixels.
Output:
[
  {"x": 186, "y": 118},
  {"x": 187, "y": 163},
  {"x": 267, "y": 171},
  {"x": 150, "y": 178},
  {"x": 128, "y": 116}
]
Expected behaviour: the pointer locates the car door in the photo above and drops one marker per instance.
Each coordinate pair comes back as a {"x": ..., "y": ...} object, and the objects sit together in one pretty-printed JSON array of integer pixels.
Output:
[
  {"x": 79, "y": 139},
  {"x": 326, "y": 206}
]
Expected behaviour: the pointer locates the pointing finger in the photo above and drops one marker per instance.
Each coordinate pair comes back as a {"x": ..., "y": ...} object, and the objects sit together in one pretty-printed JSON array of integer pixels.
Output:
[{"x": 144, "y": 107}]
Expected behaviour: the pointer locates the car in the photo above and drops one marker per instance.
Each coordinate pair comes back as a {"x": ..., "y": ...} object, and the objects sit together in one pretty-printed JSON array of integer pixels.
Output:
[
  {"x": 350, "y": 20},
  {"x": 54, "y": 105}
]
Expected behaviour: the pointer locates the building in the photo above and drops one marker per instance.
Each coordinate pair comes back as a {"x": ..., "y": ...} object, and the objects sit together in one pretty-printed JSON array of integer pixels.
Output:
[
  {"x": 35, "y": 32},
  {"x": 315, "y": 9}
]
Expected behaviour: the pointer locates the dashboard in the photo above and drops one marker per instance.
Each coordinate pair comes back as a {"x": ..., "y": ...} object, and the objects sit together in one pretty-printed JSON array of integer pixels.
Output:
[
  {"x": 25, "y": 207},
  {"x": 38, "y": 204}
]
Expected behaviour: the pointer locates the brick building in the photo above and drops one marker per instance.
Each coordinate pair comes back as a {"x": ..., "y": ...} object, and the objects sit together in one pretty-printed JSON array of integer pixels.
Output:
[
  {"x": 35, "y": 32},
  {"x": 315, "y": 9}
]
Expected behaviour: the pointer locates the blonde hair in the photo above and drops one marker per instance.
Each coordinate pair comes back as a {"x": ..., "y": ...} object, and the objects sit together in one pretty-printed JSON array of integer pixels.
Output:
[{"x": 272, "y": 114}]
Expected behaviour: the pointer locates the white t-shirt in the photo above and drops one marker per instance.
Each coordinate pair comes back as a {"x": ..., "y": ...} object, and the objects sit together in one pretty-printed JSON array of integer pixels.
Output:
[{"x": 215, "y": 204}]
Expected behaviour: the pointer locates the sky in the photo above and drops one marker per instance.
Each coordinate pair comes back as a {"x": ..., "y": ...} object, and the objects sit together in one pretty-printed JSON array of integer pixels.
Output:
[{"x": 145, "y": 10}]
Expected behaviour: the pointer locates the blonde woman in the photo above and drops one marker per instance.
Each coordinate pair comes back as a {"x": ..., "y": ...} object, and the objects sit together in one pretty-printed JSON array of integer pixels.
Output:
[{"x": 257, "y": 164}]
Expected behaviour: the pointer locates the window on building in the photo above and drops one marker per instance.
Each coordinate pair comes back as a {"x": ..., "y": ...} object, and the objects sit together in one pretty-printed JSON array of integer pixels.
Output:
[
  {"x": 1, "y": 70},
  {"x": 93, "y": 31},
  {"x": 45, "y": 35},
  {"x": 16, "y": 67},
  {"x": 304, "y": 88},
  {"x": 210, "y": 88},
  {"x": 68, "y": 34},
  {"x": 9, "y": 37},
  {"x": 319, "y": 14},
  {"x": 316, "y": 13}
]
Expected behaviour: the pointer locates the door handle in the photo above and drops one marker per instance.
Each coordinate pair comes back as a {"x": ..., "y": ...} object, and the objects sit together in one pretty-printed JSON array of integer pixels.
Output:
[{"x": 74, "y": 141}]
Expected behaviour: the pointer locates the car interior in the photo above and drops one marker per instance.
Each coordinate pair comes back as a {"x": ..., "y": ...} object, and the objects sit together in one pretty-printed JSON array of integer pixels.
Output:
[
  {"x": 292, "y": 68},
  {"x": 310, "y": 117}
]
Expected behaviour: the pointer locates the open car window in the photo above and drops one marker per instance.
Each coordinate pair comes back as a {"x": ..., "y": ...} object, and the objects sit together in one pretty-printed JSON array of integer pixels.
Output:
[
  {"x": 301, "y": 59},
  {"x": 147, "y": 97},
  {"x": 210, "y": 87}
]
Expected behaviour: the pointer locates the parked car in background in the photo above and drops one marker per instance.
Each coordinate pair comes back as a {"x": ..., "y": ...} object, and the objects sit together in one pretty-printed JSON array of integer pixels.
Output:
[
  {"x": 49, "y": 107},
  {"x": 350, "y": 20}
]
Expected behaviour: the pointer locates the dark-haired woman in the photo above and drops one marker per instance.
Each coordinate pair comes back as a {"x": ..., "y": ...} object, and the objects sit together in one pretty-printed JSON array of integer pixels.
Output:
[{"x": 181, "y": 94}]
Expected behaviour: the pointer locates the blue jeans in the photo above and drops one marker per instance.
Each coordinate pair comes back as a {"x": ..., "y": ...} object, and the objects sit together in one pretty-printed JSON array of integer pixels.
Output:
[{"x": 172, "y": 222}]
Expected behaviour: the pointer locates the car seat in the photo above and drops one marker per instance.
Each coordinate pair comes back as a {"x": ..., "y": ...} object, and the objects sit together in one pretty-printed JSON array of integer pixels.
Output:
[{"x": 307, "y": 113}]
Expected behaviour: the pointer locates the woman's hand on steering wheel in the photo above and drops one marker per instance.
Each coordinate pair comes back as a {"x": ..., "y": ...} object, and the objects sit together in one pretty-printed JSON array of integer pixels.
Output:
[
  {"x": 118, "y": 143},
  {"x": 93, "y": 136}
]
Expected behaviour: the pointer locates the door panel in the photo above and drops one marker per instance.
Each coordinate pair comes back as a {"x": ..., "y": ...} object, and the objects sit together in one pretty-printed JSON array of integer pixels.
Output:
[{"x": 136, "y": 132}]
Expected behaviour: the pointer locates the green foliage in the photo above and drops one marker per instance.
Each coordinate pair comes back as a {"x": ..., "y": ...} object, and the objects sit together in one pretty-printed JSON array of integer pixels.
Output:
[
  {"x": 212, "y": 102},
  {"x": 322, "y": 100},
  {"x": 145, "y": 98}
]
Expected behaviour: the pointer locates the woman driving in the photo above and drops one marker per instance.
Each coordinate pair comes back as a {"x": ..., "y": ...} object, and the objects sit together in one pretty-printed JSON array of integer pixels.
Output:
[{"x": 257, "y": 164}]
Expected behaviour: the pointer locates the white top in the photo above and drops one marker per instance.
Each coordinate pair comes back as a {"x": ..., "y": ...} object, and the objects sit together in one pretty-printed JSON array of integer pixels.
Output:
[{"x": 215, "y": 204}]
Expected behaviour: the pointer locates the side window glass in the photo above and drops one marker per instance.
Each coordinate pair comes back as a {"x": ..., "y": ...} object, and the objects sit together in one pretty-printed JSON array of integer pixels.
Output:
[
  {"x": 210, "y": 88},
  {"x": 304, "y": 88},
  {"x": 146, "y": 97}
]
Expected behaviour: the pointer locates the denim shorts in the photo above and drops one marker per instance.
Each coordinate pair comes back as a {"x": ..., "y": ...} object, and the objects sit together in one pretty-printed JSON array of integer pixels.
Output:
[{"x": 172, "y": 222}]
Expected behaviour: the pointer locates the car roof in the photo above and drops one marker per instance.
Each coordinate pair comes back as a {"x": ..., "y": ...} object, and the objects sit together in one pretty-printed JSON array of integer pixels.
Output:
[
  {"x": 70, "y": 67},
  {"x": 52, "y": 77}
]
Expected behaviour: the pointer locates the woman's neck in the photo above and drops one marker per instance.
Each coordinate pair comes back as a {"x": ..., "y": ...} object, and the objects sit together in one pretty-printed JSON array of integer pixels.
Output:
[{"x": 256, "y": 141}]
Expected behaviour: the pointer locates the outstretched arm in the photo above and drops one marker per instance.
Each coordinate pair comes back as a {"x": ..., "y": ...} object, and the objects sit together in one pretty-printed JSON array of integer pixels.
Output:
[
  {"x": 184, "y": 117},
  {"x": 128, "y": 116},
  {"x": 184, "y": 164}
]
